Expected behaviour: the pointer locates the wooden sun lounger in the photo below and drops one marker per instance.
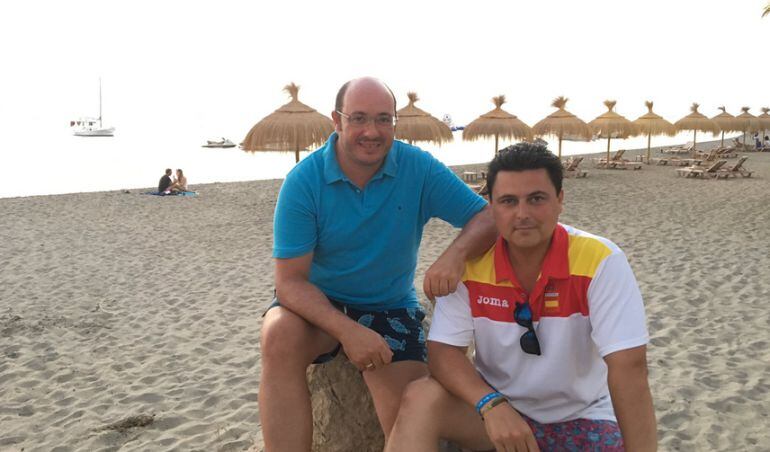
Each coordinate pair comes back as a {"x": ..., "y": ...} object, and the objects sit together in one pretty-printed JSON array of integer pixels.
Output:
[
  {"x": 736, "y": 169},
  {"x": 703, "y": 172},
  {"x": 617, "y": 162},
  {"x": 739, "y": 146},
  {"x": 686, "y": 149},
  {"x": 571, "y": 168},
  {"x": 676, "y": 161}
]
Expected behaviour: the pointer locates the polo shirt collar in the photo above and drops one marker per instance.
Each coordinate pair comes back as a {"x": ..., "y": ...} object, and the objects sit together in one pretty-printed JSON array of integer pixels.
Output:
[
  {"x": 333, "y": 172},
  {"x": 555, "y": 264}
]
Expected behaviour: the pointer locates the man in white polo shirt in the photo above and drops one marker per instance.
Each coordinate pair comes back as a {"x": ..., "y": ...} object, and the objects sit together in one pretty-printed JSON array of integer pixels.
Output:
[{"x": 559, "y": 330}]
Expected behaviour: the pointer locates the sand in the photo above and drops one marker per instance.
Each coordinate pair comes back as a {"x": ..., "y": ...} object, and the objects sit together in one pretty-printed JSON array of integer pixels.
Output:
[{"x": 132, "y": 322}]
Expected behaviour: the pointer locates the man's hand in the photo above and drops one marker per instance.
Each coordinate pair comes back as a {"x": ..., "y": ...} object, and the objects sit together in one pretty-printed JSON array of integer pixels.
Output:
[
  {"x": 442, "y": 277},
  {"x": 508, "y": 431},
  {"x": 365, "y": 348}
]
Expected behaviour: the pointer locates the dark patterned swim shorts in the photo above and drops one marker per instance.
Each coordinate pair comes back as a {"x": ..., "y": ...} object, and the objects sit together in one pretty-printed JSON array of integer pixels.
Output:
[{"x": 401, "y": 329}]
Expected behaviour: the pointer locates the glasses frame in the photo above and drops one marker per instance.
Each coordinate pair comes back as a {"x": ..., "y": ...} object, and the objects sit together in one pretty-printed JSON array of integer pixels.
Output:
[
  {"x": 528, "y": 341},
  {"x": 372, "y": 119}
]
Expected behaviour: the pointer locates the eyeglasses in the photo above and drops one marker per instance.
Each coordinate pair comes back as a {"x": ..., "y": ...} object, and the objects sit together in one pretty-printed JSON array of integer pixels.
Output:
[
  {"x": 362, "y": 119},
  {"x": 528, "y": 341}
]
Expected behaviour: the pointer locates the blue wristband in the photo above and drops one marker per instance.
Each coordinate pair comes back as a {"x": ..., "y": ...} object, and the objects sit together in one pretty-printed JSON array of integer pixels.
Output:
[{"x": 486, "y": 399}]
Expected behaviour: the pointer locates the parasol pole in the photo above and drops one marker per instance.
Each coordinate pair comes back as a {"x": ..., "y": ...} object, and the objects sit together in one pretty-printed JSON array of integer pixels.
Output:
[
  {"x": 722, "y": 144},
  {"x": 694, "y": 141},
  {"x": 296, "y": 150},
  {"x": 608, "y": 150},
  {"x": 560, "y": 146},
  {"x": 649, "y": 140},
  {"x": 496, "y": 148}
]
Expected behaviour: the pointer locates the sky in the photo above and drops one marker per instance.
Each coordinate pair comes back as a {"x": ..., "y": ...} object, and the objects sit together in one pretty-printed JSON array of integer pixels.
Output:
[{"x": 210, "y": 69}]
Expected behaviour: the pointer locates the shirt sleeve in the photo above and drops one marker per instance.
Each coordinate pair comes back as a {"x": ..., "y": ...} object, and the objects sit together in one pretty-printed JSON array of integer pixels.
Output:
[
  {"x": 452, "y": 320},
  {"x": 295, "y": 231},
  {"x": 616, "y": 307},
  {"x": 449, "y": 198}
]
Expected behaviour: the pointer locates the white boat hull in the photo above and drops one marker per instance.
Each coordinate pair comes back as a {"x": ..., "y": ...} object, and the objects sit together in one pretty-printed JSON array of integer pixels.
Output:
[{"x": 108, "y": 132}]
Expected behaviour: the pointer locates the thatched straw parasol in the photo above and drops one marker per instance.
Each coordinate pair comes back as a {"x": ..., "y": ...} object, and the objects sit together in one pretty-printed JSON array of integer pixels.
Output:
[
  {"x": 611, "y": 125},
  {"x": 748, "y": 123},
  {"x": 562, "y": 123},
  {"x": 292, "y": 127},
  {"x": 726, "y": 123},
  {"x": 418, "y": 125},
  {"x": 497, "y": 123},
  {"x": 652, "y": 124},
  {"x": 695, "y": 122},
  {"x": 764, "y": 121}
]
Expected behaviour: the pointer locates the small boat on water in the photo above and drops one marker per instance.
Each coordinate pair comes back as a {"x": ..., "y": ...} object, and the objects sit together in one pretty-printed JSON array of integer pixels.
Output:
[
  {"x": 92, "y": 127},
  {"x": 223, "y": 143}
]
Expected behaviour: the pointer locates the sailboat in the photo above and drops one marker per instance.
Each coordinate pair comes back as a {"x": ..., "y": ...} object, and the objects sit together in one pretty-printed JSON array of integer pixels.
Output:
[{"x": 92, "y": 127}]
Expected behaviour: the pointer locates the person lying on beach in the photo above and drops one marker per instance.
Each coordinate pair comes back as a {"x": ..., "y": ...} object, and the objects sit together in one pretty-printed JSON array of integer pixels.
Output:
[
  {"x": 559, "y": 329},
  {"x": 165, "y": 181},
  {"x": 347, "y": 227},
  {"x": 180, "y": 182}
]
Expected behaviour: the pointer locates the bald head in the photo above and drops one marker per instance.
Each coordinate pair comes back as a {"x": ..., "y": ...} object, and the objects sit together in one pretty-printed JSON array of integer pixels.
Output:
[{"x": 363, "y": 83}]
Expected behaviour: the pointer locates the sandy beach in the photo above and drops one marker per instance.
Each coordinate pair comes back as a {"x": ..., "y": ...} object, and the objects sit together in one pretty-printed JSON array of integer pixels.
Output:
[{"x": 131, "y": 322}]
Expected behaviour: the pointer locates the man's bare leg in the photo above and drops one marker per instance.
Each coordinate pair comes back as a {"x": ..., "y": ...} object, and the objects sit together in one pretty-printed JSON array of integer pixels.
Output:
[
  {"x": 429, "y": 413},
  {"x": 289, "y": 345},
  {"x": 387, "y": 384}
]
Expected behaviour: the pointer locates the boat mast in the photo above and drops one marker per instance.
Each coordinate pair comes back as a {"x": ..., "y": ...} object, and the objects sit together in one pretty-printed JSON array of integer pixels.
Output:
[{"x": 100, "y": 102}]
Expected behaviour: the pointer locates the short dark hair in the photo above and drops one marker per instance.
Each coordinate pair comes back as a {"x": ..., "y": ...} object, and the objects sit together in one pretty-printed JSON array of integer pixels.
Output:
[
  {"x": 344, "y": 89},
  {"x": 168, "y": 171},
  {"x": 523, "y": 157}
]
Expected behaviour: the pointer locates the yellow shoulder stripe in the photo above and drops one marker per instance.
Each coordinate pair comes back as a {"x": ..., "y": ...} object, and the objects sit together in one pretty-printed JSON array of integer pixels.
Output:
[
  {"x": 482, "y": 269},
  {"x": 585, "y": 255}
]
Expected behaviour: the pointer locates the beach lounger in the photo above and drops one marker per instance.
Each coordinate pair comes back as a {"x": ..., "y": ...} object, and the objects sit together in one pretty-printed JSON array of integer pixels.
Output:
[
  {"x": 726, "y": 153},
  {"x": 686, "y": 149},
  {"x": 626, "y": 164},
  {"x": 571, "y": 168},
  {"x": 736, "y": 169},
  {"x": 703, "y": 172},
  {"x": 739, "y": 146},
  {"x": 614, "y": 161}
]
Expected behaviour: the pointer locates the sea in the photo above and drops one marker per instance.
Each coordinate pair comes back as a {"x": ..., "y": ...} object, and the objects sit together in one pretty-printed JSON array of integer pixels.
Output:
[{"x": 134, "y": 159}]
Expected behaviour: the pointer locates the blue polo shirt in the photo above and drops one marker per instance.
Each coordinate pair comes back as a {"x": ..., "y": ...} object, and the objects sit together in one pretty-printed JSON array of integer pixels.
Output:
[{"x": 365, "y": 241}]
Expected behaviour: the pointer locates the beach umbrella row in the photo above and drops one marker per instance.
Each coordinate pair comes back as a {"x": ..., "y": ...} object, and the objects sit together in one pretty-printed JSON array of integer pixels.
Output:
[
  {"x": 292, "y": 127},
  {"x": 696, "y": 121},
  {"x": 497, "y": 123},
  {"x": 415, "y": 124},
  {"x": 562, "y": 124},
  {"x": 749, "y": 123},
  {"x": 611, "y": 125},
  {"x": 296, "y": 126},
  {"x": 726, "y": 123},
  {"x": 651, "y": 124},
  {"x": 764, "y": 120}
]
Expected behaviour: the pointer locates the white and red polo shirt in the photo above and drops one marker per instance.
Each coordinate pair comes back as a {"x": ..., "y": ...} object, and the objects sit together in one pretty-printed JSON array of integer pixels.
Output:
[{"x": 586, "y": 304}]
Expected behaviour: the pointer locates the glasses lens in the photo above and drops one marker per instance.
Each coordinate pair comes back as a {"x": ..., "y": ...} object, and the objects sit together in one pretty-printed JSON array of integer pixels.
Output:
[
  {"x": 523, "y": 315},
  {"x": 384, "y": 121},
  {"x": 529, "y": 343},
  {"x": 358, "y": 120}
]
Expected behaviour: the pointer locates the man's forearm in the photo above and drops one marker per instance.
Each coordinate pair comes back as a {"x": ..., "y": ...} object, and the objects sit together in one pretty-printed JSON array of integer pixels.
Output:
[
  {"x": 476, "y": 237},
  {"x": 307, "y": 301},
  {"x": 632, "y": 401},
  {"x": 451, "y": 367}
]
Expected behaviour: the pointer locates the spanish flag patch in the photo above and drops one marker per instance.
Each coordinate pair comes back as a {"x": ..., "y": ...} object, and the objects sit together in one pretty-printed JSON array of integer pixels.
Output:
[{"x": 552, "y": 300}]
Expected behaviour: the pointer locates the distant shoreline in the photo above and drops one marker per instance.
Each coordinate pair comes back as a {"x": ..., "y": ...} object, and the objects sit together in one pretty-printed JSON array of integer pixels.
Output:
[{"x": 701, "y": 145}]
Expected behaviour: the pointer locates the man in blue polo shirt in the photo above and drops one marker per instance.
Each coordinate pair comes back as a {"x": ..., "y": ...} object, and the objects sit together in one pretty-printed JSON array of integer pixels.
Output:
[{"x": 348, "y": 225}]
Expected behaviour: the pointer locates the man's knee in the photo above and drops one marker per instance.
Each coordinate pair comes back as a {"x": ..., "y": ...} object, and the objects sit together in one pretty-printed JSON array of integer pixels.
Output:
[
  {"x": 422, "y": 395},
  {"x": 287, "y": 339}
]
